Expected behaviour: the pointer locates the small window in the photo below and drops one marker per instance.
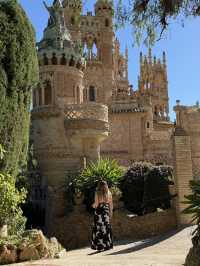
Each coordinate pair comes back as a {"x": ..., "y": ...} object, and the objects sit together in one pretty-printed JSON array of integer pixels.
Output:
[
  {"x": 72, "y": 21},
  {"x": 40, "y": 95},
  {"x": 45, "y": 59},
  {"x": 107, "y": 23},
  {"x": 148, "y": 125},
  {"x": 48, "y": 93},
  {"x": 92, "y": 96},
  {"x": 54, "y": 59},
  {"x": 63, "y": 60}
]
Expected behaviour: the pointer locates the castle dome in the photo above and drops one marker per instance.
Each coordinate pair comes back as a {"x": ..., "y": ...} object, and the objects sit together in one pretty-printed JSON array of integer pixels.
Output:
[{"x": 56, "y": 39}]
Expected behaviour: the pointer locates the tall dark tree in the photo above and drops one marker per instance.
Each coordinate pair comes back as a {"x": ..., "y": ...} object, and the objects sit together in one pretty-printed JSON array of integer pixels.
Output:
[{"x": 18, "y": 75}]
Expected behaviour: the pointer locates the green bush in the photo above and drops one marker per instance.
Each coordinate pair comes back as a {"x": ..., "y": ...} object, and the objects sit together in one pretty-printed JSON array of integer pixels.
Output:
[
  {"x": 18, "y": 75},
  {"x": 193, "y": 202},
  {"x": 10, "y": 200},
  {"x": 87, "y": 181},
  {"x": 145, "y": 188}
]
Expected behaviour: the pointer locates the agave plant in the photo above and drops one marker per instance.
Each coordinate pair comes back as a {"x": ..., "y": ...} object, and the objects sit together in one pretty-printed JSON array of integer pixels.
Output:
[
  {"x": 86, "y": 182},
  {"x": 107, "y": 169},
  {"x": 193, "y": 202}
]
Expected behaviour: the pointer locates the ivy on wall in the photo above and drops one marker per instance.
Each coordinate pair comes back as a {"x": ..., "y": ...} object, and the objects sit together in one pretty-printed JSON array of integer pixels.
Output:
[{"x": 18, "y": 75}]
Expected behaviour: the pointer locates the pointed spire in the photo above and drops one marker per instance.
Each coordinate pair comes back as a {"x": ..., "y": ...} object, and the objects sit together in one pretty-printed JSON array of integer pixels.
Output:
[
  {"x": 126, "y": 56},
  {"x": 150, "y": 56},
  {"x": 154, "y": 60},
  {"x": 141, "y": 58},
  {"x": 126, "y": 53},
  {"x": 145, "y": 59},
  {"x": 164, "y": 59}
]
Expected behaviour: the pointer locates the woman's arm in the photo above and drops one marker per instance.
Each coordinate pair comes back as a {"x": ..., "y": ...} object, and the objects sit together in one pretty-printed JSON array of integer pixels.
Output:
[
  {"x": 96, "y": 201},
  {"x": 111, "y": 205}
]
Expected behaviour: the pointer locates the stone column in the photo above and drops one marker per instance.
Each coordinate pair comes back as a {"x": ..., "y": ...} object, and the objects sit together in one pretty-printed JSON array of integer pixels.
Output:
[
  {"x": 91, "y": 149},
  {"x": 183, "y": 173}
]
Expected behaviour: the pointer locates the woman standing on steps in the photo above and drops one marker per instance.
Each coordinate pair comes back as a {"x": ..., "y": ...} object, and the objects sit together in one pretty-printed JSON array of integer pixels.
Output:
[{"x": 102, "y": 230}]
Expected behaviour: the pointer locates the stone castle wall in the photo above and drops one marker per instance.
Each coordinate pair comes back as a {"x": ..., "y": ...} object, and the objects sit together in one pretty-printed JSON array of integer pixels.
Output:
[
  {"x": 125, "y": 140},
  {"x": 76, "y": 228},
  {"x": 186, "y": 154}
]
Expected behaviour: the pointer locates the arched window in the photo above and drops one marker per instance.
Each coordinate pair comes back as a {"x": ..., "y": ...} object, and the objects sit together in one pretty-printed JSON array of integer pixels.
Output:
[
  {"x": 72, "y": 21},
  {"x": 156, "y": 110},
  {"x": 92, "y": 94},
  {"x": 148, "y": 125},
  {"x": 40, "y": 95},
  {"x": 107, "y": 22},
  {"x": 54, "y": 59},
  {"x": 47, "y": 93},
  {"x": 63, "y": 60},
  {"x": 45, "y": 59}
]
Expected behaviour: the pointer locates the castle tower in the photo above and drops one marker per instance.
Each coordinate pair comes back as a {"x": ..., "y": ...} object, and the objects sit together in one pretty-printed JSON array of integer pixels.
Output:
[
  {"x": 104, "y": 10},
  {"x": 72, "y": 12},
  {"x": 153, "y": 82},
  {"x": 66, "y": 132}
]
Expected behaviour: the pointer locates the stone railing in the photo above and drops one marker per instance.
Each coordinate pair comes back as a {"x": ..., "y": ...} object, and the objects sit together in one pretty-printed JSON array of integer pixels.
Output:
[
  {"x": 120, "y": 107},
  {"x": 91, "y": 111},
  {"x": 45, "y": 111}
]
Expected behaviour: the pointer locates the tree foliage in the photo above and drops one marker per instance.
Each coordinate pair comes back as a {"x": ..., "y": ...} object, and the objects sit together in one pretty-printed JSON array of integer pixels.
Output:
[
  {"x": 150, "y": 18},
  {"x": 10, "y": 199},
  {"x": 193, "y": 202},
  {"x": 18, "y": 74}
]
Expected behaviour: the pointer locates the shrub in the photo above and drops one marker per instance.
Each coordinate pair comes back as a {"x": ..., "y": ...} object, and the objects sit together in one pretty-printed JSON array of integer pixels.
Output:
[
  {"x": 87, "y": 181},
  {"x": 145, "y": 187},
  {"x": 10, "y": 199},
  {"x": 193, "y": 202}
]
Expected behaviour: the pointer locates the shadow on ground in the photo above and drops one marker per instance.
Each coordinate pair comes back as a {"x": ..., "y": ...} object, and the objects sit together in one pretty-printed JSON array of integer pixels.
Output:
[{"x": 144, "y": 243}]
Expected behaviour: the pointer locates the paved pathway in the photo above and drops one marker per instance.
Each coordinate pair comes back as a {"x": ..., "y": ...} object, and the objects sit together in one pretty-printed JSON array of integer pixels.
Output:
[{"x": 168, "y": 250}]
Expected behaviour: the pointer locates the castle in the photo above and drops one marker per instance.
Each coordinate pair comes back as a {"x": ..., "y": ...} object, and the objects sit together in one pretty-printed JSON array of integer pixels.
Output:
[{"x": 84, "y": 105}]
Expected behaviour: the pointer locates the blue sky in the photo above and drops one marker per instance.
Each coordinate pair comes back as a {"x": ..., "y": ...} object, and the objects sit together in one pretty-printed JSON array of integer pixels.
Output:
[{"x": 182, "y": 46}]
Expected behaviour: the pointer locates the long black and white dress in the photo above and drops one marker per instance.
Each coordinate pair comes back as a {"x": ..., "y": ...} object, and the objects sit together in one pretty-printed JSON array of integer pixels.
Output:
[{"x": 102, "y": 231}]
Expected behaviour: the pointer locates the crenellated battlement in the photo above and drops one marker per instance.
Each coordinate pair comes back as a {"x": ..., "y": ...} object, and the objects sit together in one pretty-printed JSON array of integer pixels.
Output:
[{"x": 62, "y": 59}]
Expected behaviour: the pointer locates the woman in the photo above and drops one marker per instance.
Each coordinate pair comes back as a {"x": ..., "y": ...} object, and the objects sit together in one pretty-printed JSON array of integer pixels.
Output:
[{"x": 102, "y": 231}]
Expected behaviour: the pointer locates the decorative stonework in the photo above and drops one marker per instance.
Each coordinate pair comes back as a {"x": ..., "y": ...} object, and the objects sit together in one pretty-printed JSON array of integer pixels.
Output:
[{"x": 84, "y": 106}]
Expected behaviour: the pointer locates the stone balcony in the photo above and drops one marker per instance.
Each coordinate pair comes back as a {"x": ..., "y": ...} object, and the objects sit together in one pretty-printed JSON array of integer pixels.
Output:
[{"x": 87, "y": 120}]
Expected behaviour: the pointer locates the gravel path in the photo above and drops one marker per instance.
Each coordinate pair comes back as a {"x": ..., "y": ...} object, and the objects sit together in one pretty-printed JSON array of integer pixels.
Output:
[{"x": 168, "y": 250}]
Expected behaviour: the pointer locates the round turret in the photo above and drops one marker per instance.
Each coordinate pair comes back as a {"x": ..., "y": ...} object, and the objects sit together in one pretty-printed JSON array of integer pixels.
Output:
[{"x": 61, "y": 63}]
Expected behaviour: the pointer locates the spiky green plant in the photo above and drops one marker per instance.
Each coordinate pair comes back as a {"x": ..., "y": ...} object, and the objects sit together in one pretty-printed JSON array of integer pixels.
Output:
[
  {"x": 193, "y": 202},
  {"x": 105, "y": 169}
]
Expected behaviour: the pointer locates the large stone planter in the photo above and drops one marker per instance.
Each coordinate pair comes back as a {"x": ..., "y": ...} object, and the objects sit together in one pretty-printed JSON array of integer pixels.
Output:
[{"x": 3, "y": 231}]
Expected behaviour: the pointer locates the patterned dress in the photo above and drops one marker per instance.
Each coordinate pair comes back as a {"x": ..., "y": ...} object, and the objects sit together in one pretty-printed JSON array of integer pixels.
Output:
[{"x": 102, "y": 230}]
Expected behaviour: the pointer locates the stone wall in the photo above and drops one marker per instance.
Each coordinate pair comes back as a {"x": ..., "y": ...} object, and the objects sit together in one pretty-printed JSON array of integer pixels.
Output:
[
  {"x": 125, "y": 140},
  {"x": 74, "y": 230}
]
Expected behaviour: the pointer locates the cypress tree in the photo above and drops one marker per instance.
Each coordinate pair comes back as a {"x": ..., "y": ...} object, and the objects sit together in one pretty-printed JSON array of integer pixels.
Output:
[{"x": 18, "y": 75}]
